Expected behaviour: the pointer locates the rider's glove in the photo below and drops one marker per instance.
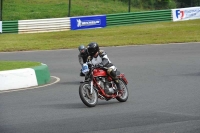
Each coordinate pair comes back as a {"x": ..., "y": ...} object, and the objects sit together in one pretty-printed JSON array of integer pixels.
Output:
[
  {"x": 88, "y": 58},
  {"x": 89, "y": 64}
]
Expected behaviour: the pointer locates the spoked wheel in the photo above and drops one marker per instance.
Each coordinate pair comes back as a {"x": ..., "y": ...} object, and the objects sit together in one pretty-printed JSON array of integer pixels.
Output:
[
  {"x": 88, "y": 99},
  {"x": 123, "y": 95}
]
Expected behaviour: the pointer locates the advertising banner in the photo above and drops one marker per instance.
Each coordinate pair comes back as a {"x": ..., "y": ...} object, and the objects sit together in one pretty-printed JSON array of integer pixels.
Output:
[
  {"x": 0, "y": 26},
  {"x": 88, "y": 22},
  {"x": 186, "y": 13}
]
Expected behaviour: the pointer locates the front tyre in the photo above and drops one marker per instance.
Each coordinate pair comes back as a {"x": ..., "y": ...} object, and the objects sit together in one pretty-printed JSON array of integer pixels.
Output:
[
  {"x": 88, "y": 99},
  {"x": 124, "y": 93}
]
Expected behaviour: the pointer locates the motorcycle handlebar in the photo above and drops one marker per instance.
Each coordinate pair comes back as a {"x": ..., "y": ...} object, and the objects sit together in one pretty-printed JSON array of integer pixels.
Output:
[{"x": 96, "y": 66}]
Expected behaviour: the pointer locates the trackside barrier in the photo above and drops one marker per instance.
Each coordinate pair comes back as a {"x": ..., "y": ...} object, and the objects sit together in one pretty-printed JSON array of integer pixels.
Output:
[
  {"x": 0, "y": 26},
  {"x": 84, "y": 22},
  {"x": 43, "y": 25},
  {"x": 10, "y": 26},
  {"x": 138, "y": 17}
]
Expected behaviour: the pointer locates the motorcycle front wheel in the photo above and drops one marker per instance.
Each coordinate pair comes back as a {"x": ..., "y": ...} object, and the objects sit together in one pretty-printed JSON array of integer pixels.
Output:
[
  {"x": 124, "y": 96},
  {"x": 88, "y": 99}
]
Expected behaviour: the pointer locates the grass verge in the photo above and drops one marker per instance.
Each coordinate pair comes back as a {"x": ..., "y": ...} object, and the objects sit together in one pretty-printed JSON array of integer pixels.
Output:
[
  {"x": 10, "y": 65},
  {"x": 138, "y": 34},
  {"x": 40, "y": 9}
]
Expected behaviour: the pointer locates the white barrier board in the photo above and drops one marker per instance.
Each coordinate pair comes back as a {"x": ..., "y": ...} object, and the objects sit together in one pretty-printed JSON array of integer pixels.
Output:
[{"x": 186, "y": 13}]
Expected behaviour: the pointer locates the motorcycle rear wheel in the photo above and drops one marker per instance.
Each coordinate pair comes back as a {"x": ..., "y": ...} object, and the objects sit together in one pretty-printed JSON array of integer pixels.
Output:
[
  {"x": 124, "y": 96},
  {"x": 88, "y": 99}
]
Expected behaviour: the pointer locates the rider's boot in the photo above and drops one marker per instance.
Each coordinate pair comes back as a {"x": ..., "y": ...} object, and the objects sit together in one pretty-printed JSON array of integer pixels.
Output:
[
  {"x": 82, "y": 74},
  {"x": 115, "y": 79},
  {"x": 119, "y": 88}
]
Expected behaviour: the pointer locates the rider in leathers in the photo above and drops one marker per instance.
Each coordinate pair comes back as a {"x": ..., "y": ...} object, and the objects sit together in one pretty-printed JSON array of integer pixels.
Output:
[
  {"x": 99, "y": 58},
  {"x": 82, "y": 56}
]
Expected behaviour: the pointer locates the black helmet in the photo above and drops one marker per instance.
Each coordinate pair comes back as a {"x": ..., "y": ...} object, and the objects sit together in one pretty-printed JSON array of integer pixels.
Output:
[
  {"x": 92, "y": 48},
  {"x": 81, "y": 47}
]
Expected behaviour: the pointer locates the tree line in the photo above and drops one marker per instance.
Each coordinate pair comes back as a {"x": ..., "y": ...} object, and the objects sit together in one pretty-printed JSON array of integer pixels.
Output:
[
  {"x": 187, "y": 3},
  {"x": 163, "y": 4}
]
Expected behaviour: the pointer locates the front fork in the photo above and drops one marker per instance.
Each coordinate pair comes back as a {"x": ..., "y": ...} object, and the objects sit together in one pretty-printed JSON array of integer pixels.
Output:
[
  {"x": 91, "y": 83},
  {"x": 91, "y": 87}
]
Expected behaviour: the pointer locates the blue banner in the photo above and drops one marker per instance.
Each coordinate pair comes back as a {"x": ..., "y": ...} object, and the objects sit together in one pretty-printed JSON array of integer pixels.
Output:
[{"x": 88, "y": 22}]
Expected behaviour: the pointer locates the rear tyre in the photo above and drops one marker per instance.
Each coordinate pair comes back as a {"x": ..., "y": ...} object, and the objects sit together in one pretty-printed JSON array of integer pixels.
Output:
[
  {"x": 88, "y": 99},
  {"x": 123, "y": 96}
]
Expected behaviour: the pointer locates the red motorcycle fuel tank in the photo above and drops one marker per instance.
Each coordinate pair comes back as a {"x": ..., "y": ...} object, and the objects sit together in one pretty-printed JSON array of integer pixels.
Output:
[{"x": 99, "y": 72}]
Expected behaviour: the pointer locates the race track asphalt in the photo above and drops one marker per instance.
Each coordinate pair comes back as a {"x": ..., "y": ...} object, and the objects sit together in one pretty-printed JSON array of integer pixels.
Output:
[{"x": 164, "y": 94}]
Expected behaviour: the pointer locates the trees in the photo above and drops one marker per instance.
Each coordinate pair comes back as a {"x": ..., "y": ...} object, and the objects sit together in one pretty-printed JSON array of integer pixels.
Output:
[
  {"x": 187, "y": 3},
  {"x": 163, "y": 4},
  {"x": 152, "y": 4}
]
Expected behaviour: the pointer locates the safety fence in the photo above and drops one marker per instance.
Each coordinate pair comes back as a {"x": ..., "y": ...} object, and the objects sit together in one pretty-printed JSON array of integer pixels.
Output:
[
  {"x": 138, "y": 17},
  {"x": 43, "y": 25},
  {"x": 61, "y": 24},
  {"x": 10, "y": 27},
  {"x": 98, "y": 21}
]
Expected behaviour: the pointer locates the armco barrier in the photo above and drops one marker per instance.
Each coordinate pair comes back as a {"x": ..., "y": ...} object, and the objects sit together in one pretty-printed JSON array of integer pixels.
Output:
[
  {"x": 60, "y": 24},
  {"x": 43, "y": 25},
  {"x": 10, "y": 26},
  {"x": 139, "y": 17},
  {"x": 0, "y": 26}
]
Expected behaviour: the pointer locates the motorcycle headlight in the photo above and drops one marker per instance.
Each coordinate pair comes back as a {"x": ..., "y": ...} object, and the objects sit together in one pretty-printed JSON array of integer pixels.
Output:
[{"x": 85, "y": 68}]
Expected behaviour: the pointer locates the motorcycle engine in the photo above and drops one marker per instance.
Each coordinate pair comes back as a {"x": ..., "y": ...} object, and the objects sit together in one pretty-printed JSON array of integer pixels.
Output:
[{"x": 106, "y": 85}]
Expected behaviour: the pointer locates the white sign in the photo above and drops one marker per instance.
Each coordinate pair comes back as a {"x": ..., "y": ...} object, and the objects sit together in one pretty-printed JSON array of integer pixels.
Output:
[
  {"x": 186, "y": 13},
  {"x": 0, "y": 26}
]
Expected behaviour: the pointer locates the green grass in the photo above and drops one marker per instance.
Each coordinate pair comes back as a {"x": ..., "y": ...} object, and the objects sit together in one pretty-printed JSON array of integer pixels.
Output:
[
  {"x": 38, "y": 9},
  {"x": 9, "y": 65},
  {"x": 138, "y": 34}
]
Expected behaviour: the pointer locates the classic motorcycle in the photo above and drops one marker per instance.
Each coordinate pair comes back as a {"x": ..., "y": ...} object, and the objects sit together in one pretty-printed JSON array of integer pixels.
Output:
[{"x": 100, "y": 85}]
